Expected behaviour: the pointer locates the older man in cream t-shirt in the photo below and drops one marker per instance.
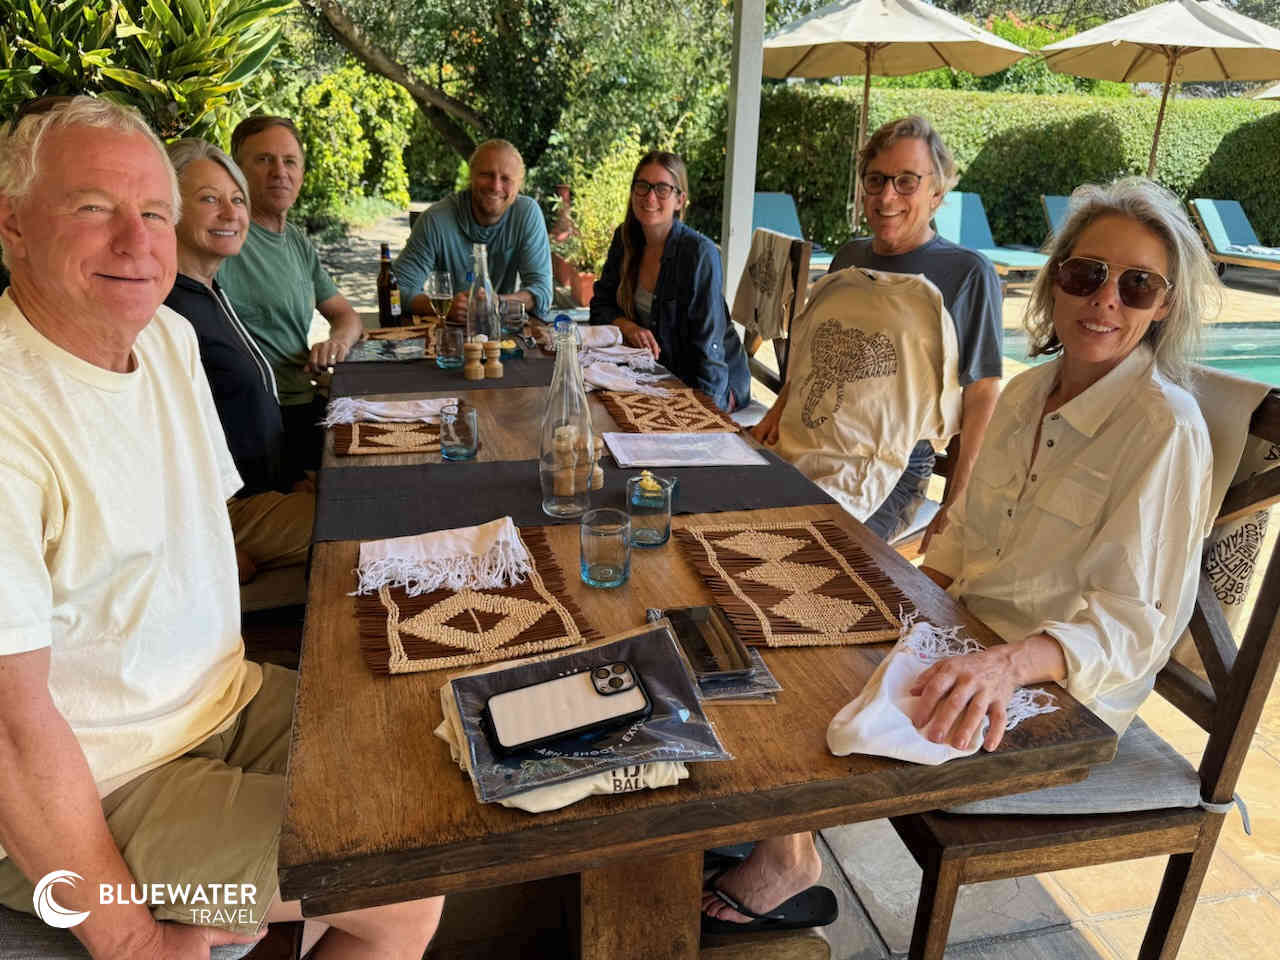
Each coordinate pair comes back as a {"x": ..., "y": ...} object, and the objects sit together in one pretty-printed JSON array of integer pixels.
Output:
[{"x": 138, "y": 746}]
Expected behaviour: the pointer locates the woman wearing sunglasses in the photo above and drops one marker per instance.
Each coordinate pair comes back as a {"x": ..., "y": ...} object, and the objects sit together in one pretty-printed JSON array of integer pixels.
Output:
[
  {"x": 663, "y": 285},
  {"x": 1079, "y": 538}
]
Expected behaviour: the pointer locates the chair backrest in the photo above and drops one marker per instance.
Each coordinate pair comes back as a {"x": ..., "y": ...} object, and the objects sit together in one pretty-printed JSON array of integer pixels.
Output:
[
  {"x": 962, "y": 219},
  {"x": 801, "y": 251},
  {"x": 1227, "y": 701},
  {"x": 1055, "y": 210},
  {"x": 1225, "y": 223},
  {"x": 777, "y": 212}
]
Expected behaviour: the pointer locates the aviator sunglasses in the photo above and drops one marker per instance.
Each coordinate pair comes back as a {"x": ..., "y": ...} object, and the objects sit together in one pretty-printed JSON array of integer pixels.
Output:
[{"x": 1139, "y": 289}]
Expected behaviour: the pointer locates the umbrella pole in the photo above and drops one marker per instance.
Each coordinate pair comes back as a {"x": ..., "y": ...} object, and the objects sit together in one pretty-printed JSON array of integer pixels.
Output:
[
  {"x": 1155, "y": 141},
  {"x": 862, "y": 139}
]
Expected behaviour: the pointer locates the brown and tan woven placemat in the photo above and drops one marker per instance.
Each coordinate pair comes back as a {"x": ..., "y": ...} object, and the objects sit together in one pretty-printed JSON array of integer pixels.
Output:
[
  {"x": 447, "y": 629},
  {"x": 403, "y": 333},
  {"x": 354, "y": 439},
  {"x": 795, "y": 584},
  {"x": 685, "y": 411}
]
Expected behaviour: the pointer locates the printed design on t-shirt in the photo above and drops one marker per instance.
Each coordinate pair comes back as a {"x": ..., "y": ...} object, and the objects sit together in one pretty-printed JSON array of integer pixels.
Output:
[
  {"x": 839, "y": 356},
  {"x": 1229, "y": 561},
  {"x": 1273, "y": 453},
  {"x": 764, "y": 274}
]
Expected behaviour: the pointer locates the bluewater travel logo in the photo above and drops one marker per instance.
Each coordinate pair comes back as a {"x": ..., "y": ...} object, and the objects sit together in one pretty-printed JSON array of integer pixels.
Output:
[
  {"x": 48, "y": 909},
  {"x": 210, "y": 904}
]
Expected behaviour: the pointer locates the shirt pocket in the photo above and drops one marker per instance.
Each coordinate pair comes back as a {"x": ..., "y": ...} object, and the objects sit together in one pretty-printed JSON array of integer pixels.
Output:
[
  {"x": 1077, "y": 498},
  {"x": 993, "y": 492}
]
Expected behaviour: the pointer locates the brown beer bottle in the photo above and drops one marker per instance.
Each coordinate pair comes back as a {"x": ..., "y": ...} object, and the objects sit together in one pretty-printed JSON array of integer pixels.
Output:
[{"x": 390, "y": 313}]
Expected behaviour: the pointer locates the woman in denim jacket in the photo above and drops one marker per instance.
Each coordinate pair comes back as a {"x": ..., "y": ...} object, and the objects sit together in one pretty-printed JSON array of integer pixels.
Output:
[{"x": 662, "y": 285}]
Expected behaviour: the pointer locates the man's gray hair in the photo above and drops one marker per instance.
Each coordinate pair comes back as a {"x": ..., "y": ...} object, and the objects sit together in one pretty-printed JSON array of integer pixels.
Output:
[
  {"x": 1195, "y": 295},
  {"x": 912, "y": 128},
  {"x": 184, "y": 152},
  {"x": 20, "y": 148}
]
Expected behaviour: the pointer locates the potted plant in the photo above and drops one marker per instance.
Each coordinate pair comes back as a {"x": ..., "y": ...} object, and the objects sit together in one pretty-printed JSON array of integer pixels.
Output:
[{"x": 599, "y": 203}]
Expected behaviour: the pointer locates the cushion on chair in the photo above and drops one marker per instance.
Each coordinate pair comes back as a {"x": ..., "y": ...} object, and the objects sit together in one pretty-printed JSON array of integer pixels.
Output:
[
  {"x": 1147, "y": 774},
  {"x": 23, "y": 936}
]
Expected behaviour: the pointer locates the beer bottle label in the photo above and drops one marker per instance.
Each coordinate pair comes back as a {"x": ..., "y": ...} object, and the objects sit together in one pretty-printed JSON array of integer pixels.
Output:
[{"x": 395, "y": 303}]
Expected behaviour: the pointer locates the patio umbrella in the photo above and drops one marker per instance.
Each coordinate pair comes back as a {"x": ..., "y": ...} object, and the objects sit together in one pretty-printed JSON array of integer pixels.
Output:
[
  {"x": 884, "y": 37},
  {"x": 1201, "y": 40},
  {"x": 1271, "y": 93}
]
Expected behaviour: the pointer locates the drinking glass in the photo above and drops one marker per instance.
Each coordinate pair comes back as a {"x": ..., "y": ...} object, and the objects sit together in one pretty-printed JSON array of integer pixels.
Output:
[
  {"x": 439, "y": 290},
  {"x": 649, "y": 503},
  {"x": 512, "y": 316},
  {"x": 459, "y": 432},
  {"x": 449, "y": 346},
  {"x": 605, "y": 538}
]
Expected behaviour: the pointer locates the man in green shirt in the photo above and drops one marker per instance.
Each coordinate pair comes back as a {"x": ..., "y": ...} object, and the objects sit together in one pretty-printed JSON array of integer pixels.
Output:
[{"x": 277, "y": 281}]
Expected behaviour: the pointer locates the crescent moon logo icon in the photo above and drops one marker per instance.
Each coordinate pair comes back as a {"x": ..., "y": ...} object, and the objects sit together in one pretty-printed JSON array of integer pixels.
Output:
[{"x": 48, "y": 909}]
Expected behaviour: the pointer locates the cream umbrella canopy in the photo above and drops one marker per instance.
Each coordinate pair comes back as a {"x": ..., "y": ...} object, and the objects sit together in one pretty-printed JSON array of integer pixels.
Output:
[
  {"x": 1198, "y": 39},
  {"x": 884, "y": 37}
]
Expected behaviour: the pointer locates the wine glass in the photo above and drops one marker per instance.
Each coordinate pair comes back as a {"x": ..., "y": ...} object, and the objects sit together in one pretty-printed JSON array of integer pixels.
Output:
[{"x": 439, "y": 290}]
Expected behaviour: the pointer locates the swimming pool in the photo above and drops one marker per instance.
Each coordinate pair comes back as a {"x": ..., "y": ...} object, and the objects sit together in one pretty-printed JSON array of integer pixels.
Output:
[{"x": 1249, "y": 349}]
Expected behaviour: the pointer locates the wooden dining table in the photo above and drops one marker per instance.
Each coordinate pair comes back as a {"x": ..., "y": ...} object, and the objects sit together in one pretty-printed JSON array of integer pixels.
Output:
[{"x": 377, "y": 812}]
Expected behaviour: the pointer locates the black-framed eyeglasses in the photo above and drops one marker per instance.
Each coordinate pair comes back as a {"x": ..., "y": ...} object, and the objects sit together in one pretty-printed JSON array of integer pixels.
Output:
[
  {"x": 642, "y": 188},
  {"x": 904, "y": 184},
  {"x": 1138, "y": 288},
  {"x": 34, "y": 106}
]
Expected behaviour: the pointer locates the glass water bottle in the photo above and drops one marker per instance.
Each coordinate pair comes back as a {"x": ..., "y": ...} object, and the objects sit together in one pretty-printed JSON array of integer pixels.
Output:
[
  {"x": 482, "y": 303},
  {"x": 567, "y": 442}
]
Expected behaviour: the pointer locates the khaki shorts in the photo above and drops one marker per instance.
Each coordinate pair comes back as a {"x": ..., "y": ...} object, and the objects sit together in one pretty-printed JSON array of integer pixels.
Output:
[{"x": 212, "y": 816}]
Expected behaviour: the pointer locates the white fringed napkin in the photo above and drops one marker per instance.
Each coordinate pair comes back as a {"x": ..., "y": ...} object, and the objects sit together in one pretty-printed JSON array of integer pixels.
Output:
[
  {"x": 638, "y": 358},
  {"x": 597, "y": 337},
  {"x": 489, "y": 556},
  {"x": 353, "y": 410},
  {"x": 609, "y": 376},
  {"x": 878, "y": 720}
]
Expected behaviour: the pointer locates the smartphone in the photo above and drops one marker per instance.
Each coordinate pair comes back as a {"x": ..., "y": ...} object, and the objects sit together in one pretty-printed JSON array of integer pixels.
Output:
[
  {"x": 594, "y": 698},
  {"x": 711, "y": 643}
]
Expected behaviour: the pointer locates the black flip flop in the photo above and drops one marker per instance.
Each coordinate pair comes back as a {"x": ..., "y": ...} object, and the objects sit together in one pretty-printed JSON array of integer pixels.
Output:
[
  {"x": 721, "y": 859},
  {"x": 814, "y": 907}
]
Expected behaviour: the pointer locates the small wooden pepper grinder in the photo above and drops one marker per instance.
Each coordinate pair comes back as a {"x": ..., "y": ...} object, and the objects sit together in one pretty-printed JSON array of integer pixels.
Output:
[
  {"x": 492, "y": 361},
  {"x": 473, "y": 369}
]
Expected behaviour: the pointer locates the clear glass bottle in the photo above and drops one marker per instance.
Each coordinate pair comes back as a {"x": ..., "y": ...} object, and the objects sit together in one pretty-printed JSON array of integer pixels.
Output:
[
  {"x": 567, "y": 442},
  {"x": 482, "y": 303}
]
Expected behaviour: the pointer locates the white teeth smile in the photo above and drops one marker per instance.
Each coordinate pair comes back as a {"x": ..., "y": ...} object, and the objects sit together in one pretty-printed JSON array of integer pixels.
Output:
[
  {"x": 225, "y": 233},
  {"x": 1096, "y": 327}
]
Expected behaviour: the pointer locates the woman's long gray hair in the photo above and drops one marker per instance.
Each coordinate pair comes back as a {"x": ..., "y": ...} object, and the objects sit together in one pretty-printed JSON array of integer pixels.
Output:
[{"x": 1195, "y": 295}]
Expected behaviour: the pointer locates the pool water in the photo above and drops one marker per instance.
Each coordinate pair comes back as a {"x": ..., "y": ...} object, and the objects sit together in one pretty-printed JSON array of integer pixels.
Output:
[{"x": 1247, "y": 349}]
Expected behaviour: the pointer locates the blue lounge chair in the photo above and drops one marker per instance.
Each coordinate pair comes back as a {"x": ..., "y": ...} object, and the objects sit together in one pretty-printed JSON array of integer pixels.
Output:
[
  {"x": 1055, "y": 210},
  {"x": 1230, "y": 236},
  {"x": 777, "y": 212},
  {"x": 963, "y": 220}
]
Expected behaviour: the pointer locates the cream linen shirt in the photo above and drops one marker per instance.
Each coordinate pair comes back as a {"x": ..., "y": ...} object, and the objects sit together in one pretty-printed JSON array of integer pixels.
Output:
[
  {"x": 1096, "y": 542},
  {"x": 118, "y": 553}
]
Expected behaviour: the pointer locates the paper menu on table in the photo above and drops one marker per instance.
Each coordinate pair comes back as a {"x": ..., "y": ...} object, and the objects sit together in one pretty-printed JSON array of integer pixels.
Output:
[{"x": 682, "y": 450}]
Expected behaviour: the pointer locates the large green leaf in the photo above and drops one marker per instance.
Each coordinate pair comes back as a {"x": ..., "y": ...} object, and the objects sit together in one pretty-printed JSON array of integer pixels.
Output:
[
  {"x": 251, "y": 63},
  {"x": 172, "y": 27},
  {"x": 137, "y": 81},
  {"x": 251, "y": 15},
  {"x": 195, "y": 13},
  {"x": 41, "y": 25}
]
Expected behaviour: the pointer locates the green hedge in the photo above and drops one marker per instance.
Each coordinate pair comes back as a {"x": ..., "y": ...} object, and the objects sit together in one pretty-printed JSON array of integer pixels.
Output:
[{"x": 1010, "y": 148}]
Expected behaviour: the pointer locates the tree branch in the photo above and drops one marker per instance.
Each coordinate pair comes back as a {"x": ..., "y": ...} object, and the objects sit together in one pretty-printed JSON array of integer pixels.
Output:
[{"x": 439, "y": 107}]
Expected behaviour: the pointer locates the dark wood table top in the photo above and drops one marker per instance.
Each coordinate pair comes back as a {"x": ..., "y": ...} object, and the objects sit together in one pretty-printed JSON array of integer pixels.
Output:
[{"x": 377, "y": 812}]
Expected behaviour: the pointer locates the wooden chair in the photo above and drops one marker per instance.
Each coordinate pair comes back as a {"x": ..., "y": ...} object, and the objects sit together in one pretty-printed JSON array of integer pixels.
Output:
[
  {"x": 1227, "y": 701},
  {"x": 801, "y": 251}
]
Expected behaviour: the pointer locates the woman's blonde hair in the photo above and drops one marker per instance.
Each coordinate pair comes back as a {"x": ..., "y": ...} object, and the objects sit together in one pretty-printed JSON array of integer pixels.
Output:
[
  {"x": 633, "y": 234},
  {"x": 1194, "y": 296}
]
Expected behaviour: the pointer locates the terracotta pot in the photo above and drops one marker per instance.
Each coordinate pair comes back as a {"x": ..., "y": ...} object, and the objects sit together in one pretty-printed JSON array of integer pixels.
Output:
[
  {"x": 583, "y": 286},
  {"x": 562, "y": 270}
]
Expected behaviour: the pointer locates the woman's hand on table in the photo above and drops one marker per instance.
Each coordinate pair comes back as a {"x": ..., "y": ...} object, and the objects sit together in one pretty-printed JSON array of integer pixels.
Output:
[
  {"x": 634, "y": 335},
  {"x": 956, "y": 693}
]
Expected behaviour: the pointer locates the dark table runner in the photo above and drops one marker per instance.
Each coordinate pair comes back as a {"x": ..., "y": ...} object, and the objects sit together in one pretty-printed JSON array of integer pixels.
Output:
[
  {"x": 370, "y": 503},
  {"x": 423, "y": 376}
]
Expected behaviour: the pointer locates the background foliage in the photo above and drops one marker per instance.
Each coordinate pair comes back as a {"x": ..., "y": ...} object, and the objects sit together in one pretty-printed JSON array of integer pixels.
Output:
[
  {"x": 1010, "y": 148},
  {"x": 182, "y": 63}
]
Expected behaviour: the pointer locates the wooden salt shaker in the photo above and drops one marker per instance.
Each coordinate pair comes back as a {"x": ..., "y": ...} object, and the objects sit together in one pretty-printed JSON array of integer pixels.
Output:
[
  {"x": 473, "y": 369},
  {"x": 492, "y": 361}
]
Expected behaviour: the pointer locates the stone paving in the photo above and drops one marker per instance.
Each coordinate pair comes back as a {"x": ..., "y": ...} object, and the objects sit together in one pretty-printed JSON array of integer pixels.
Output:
[{"x": 1095, "y": 913}]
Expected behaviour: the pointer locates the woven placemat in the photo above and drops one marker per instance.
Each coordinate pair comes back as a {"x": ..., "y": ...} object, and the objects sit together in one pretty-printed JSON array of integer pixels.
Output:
[
  {"x": 685, "y": 411},
  {"x": 795, "y": 584},
  {"x": 403, "y": 333},
  {"x": 353, "y": 439},
  {"x": 445, "y": 629}
]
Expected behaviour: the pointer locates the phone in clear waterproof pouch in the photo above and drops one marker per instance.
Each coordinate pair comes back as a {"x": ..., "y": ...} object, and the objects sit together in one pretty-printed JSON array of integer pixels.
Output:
[
  {"x": 711, "y": 643},
  {"x": 595, "y": 698}
]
